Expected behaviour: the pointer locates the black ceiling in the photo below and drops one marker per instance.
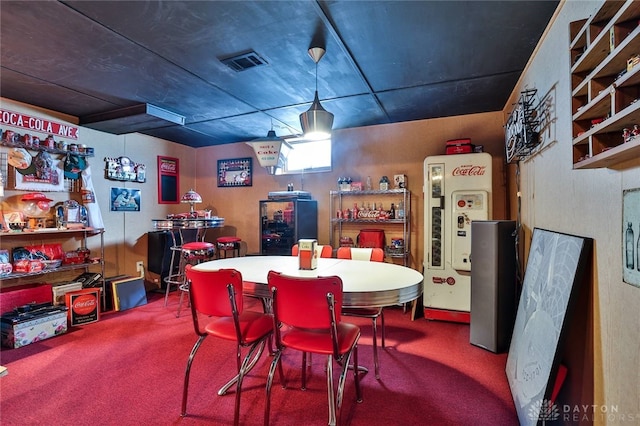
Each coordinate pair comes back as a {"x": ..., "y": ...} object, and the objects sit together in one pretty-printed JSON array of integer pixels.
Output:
[{"x": 386, "y": 61}]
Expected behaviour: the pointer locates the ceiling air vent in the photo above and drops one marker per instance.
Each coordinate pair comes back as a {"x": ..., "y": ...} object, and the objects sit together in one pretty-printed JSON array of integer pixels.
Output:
[{"x": 244, "y": 61}]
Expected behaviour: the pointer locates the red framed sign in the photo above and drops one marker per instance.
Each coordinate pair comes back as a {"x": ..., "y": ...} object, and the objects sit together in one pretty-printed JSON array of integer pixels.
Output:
[{"x": 168, "y": 180}]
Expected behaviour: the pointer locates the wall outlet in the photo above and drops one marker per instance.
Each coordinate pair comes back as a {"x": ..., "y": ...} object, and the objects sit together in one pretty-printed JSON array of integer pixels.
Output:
[{"x": 140, "y": 266}]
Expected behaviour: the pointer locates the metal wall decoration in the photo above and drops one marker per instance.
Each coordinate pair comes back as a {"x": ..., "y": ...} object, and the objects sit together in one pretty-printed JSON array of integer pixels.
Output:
[
  {"x": 631, "y": 237},
  {"x": 235, "y": 172},
  {"x": 123, "y": 169},
  {"x": 521, "y": 130}
]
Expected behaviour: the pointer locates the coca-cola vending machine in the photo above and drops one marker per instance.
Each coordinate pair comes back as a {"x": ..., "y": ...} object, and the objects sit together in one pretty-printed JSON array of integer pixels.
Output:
[{"x": 457, "y": 191}]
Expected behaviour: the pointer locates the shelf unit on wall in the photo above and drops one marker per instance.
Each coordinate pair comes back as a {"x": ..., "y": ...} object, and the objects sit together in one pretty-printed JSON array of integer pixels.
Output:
[
  {"x": 10, "y": 240},
  {"x": 605, "y": 91},
  {"x": 340, "y": 226}
]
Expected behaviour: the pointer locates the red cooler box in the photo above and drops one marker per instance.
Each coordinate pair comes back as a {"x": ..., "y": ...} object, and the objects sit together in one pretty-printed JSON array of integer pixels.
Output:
[
  {"x": 371, "y": 238},
  {"x": 13, "y": 297},
  {"x": 23, "y": 328},
  {"x": 459, "y": 146}
]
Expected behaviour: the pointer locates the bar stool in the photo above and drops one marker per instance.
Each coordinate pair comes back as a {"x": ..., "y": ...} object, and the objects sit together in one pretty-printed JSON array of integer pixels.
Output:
[
  {"x": 228, "y": 244},
  {"x": 181, "y": 233},
  {"x": 190, "y": 254}
]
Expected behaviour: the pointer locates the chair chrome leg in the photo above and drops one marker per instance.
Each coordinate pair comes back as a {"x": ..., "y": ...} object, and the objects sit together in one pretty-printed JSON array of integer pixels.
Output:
[
  {"x": 330, "y": 392},
  {"x": 382, "y": 324},
  {"x": 272, "y": 369},
  {"x": 376, "y": 364},
  {"x": 304, "y": 371},
  {"x": 187, "y": 372},
  {"x": 257, "y": 349},
  {"x": 242, "y": 371},
  {"x": 356, "y": 375}
]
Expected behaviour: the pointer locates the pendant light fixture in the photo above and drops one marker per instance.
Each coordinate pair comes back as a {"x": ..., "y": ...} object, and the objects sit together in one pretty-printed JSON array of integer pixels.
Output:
[
  {"x": 271, "y": 151},
  {"x": 316, "y": 122}
]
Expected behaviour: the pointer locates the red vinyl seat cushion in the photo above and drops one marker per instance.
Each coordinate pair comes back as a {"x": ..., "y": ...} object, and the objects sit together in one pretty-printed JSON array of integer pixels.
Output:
[
  {"x": 321, "y": 342},
  {"x": 253, "y": 326}
]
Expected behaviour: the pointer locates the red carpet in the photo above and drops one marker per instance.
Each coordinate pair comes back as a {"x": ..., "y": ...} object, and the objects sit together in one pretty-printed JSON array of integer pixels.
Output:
[{"x": 127, "y": 369}]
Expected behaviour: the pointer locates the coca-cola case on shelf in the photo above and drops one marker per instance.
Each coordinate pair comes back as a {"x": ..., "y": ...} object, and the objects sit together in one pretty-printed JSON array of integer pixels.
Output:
[{"x": 84, "y": 306}]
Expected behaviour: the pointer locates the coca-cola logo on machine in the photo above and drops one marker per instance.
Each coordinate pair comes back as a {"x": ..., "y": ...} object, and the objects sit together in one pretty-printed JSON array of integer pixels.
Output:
[{"x": 468, "y": 170}]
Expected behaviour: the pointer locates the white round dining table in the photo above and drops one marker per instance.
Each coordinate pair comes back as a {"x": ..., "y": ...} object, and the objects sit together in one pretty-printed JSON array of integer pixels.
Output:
[{"x": 364, "y": 284}]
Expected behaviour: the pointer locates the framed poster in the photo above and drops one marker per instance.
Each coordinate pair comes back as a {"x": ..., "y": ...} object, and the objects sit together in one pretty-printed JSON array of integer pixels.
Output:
[
  {"x": 168, "y": 180},
  {"x": 631, "y": 236},
  {"x": 235, "y": 172},
  {"x": 555, "y": 267},
  {"x": 125, "y": 200}
]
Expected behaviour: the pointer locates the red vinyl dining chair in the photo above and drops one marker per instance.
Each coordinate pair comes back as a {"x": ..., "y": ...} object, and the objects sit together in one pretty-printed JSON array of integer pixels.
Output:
[
  {"x": 306, "y": 315},
  {"x": 373, "y": 255},
  {"x": 217, "y": 296},
  {"x": 322, "y": 251}
]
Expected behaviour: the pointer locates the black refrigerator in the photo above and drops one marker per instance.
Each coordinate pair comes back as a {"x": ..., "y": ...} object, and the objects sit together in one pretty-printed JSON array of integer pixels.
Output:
[{"x": 284, "y": 221}]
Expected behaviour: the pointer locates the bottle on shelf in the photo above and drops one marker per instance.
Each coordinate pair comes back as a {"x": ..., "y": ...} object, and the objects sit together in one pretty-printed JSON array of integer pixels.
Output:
[
  {"x": 400, "y": 211},
  {"x": 638, "y": 253},
  {"x": 629, "y": 246},
  {"x": 369, "y": 186},
  {"x": 392, "y": 212}
]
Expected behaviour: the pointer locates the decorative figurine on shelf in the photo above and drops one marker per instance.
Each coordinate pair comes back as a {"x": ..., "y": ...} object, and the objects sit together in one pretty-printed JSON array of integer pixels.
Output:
[
  {"x": 384, "y": 183},
  {"x": 71, "y": 215},
  {"x": 626, "y": 135}
]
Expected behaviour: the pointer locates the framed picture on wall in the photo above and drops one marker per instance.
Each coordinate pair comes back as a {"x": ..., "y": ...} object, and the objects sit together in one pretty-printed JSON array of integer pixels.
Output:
[
  {"x": 125, "y": 200},
  {"x": 631, "y": 236},
  {"x": 235, "y": 172},
  {"x": 168, "y": 180},
  {"x": 555, "y": 267}
]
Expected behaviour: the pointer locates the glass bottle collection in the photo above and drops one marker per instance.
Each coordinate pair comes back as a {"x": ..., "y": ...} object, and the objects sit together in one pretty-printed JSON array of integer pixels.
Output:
[
  {"x": 369, "y": 211},
  {"x": 344, "y": 184}
]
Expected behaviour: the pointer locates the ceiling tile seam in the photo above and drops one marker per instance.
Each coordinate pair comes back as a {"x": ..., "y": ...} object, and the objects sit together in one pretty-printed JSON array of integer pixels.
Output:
[
  {"x": 329, "y": 24},
  {"x": 459, "y": 80},
  {"x": 60, "y": 85},
  {"x": 204, "y": 80}
]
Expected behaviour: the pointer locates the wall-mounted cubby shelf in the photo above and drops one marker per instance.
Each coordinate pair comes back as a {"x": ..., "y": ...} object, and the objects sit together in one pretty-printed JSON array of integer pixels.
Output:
[{"x": 605, "y": 88}]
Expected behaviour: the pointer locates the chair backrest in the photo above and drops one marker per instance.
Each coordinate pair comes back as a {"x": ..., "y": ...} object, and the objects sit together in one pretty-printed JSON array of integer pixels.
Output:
[
  {"x": 357, "y": 253},
  {"x": 321, "y": 251},
  {"x": 303, "y": 301},
  {"x": 209, "y": 291}
]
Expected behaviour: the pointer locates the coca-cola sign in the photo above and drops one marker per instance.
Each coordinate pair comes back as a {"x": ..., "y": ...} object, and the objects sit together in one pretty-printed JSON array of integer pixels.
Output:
[
  {"x": 84, "y": 306},
  {"x": 168, "y": 166},
  {"x": 443, "y": 280},
  {"x": 267, "y": 152},
  {"x": 369, "y": 214},
  {"x": 37, "y": 124},
  {"x": 469, "y": 170}
]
